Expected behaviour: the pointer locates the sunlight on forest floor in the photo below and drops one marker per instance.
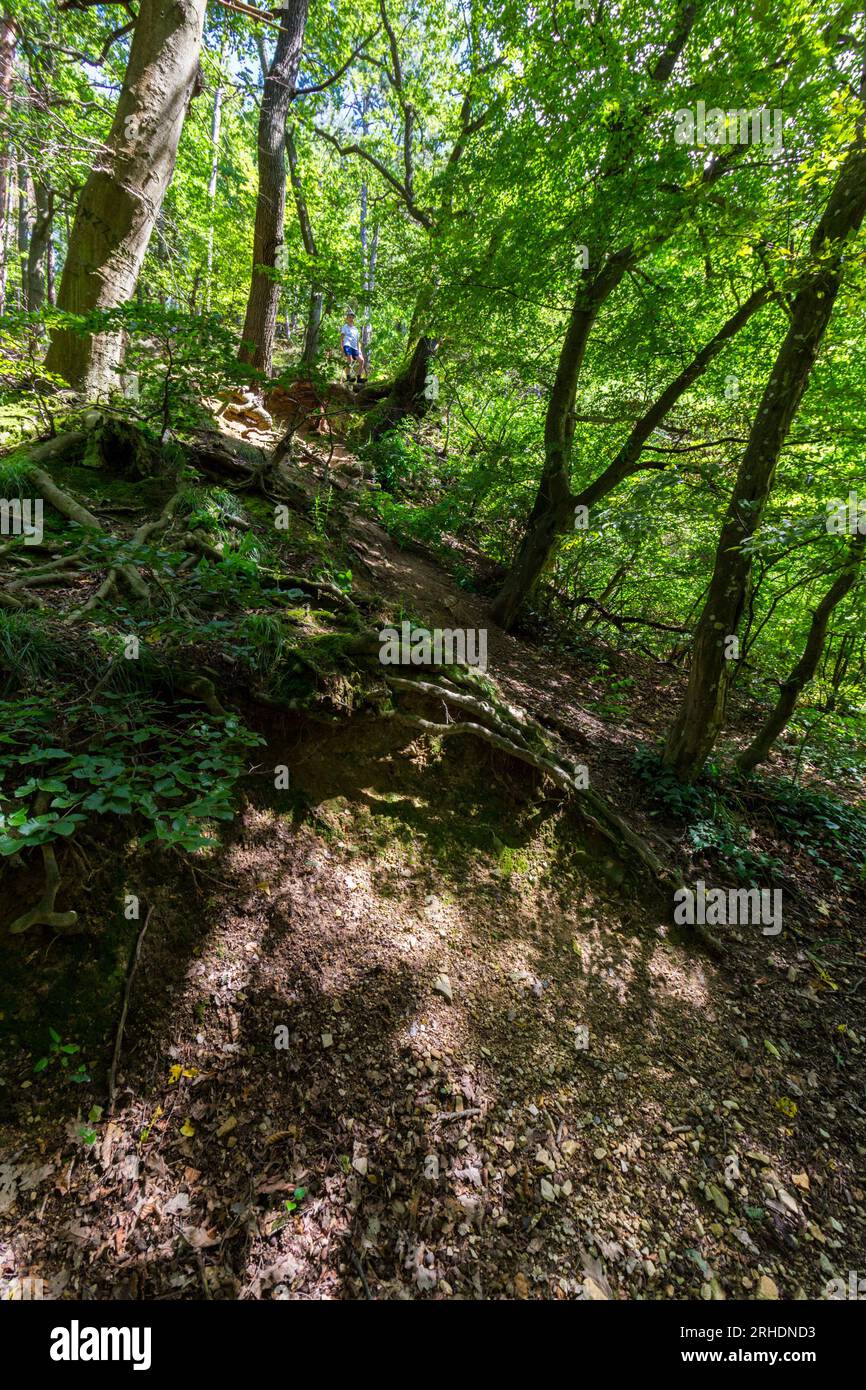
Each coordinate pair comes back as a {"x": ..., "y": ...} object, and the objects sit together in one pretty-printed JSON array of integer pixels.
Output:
[{"x": 433, "y": 1121}]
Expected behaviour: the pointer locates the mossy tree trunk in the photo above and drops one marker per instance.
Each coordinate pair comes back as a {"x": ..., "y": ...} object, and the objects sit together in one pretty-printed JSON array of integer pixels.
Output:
[
  {"x": 260, "y": 323},
  {"x": 122, "y": 197}
]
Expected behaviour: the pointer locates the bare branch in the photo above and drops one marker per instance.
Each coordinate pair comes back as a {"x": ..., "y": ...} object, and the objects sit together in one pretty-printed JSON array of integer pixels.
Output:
[
  {"x": 329, "y": 81},
  {"x": 418, "y": 214}
]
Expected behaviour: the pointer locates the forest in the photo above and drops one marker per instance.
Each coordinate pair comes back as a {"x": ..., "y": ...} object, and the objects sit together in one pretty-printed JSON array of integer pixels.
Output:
[{"x": 433, "y": 653}]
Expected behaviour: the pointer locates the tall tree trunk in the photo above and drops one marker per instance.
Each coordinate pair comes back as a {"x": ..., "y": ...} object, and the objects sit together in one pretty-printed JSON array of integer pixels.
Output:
[
  {"x": 38, "y": 253},
  {"x": 369, "y": 255},
  {"x": 7, "y": 58},
  {"x": 553, "y": 510},
  {"x": 9, "y": 227},
  {"x": 25, "y": 227},
  {"x": 215, "y": 128},
  {"x": 553, "y": 513},
  {"x": 50, "y": 287},
  {"x": 806, "y": 667},
  {"x": 261, "y": 317},
  {"x": 317, "y": 299},
  {"x": 124, "y": 193},
  {"x": 423, "y": 312},
  {"x": 313, "y": 327},
  {"x": 702, "y": 712}
]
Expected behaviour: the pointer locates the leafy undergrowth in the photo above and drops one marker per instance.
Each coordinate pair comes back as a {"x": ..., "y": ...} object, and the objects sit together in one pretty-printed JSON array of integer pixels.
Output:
[
  {"x": 724, "y": 817},
  {"x": 113, "y": 710}
]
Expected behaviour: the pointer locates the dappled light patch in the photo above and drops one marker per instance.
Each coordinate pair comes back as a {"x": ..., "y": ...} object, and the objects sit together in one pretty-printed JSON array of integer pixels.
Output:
[{"x": 677, "y": 979}]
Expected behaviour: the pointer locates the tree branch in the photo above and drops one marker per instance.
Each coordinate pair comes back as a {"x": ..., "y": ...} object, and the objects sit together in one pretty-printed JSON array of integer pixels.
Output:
[
  {"x": 418, "y": 214},
  {"x": 329, "y": 81}
]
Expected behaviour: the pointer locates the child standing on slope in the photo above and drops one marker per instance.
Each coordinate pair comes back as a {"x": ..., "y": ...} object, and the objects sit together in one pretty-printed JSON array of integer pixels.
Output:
[{"x": 351, "y": 348}]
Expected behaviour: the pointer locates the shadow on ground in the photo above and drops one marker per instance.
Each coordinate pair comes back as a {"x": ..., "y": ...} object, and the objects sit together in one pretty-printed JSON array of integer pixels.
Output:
[{"x": 407, "y": 1033}]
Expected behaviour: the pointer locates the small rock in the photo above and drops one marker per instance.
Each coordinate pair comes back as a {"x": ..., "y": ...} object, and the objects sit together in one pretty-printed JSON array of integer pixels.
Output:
[
  {"x": 425, "y": 1278},
  {"x": 442, "y": 985},
  {"x": 787, "y": 1201},
  {"x": 718, "y": 1198}
]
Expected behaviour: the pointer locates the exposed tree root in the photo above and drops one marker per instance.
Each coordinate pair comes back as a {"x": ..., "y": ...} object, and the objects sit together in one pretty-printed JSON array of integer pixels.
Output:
[
  {"x": 67, "y": 505},
  {"x": 49, "y": 573},
  {"x": 44, "y": 913},
  {"x": 62, "y": 501},
  {"x": 144, "y": 532},
  {"x": 106, "y": 587},
  {"x": 519, "y": 736},
  {"x": 321, "y": 587},
  {"x": 245, "y": 467},
  {"x": 48, "y": 450}
]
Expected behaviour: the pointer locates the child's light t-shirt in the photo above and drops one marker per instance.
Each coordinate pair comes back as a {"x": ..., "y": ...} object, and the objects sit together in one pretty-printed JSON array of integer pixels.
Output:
[{"x": 350, "y": 335}]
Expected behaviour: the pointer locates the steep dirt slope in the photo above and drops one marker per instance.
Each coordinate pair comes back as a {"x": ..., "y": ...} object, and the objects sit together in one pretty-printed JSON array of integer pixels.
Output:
[{"x": 410, "y": 1033}]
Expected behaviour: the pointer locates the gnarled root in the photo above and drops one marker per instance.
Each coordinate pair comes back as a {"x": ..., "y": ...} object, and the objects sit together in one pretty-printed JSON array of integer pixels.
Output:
[
  {"x": 44, "y": 913},
  {"x": 522, "y": 738}
]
